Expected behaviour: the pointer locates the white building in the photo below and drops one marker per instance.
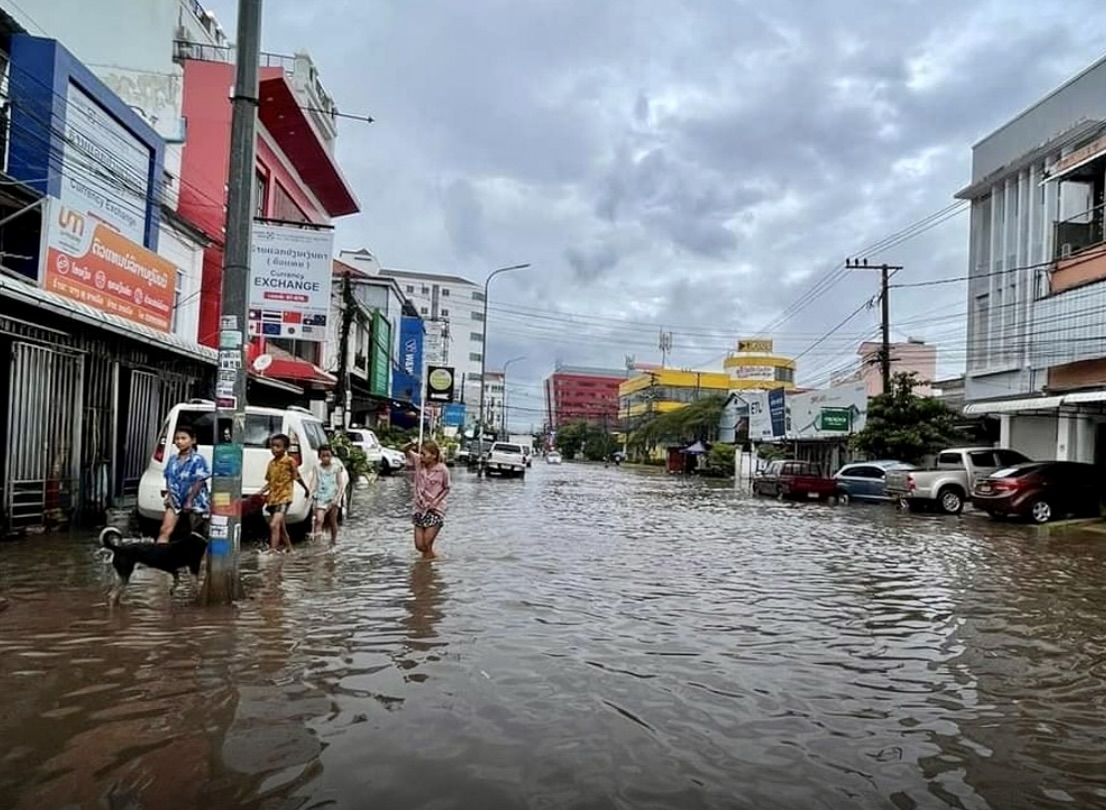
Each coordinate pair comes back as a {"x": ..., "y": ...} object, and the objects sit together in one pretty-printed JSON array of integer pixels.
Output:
[
  {"x": 456, "y": 305},
  {"x": 1037, "y": 287}
]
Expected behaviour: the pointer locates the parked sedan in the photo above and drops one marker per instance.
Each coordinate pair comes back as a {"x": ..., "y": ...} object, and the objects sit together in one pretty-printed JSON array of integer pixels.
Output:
[
  {"x": 1041, "y": 491},
  {"x": 866, "y": 481}
]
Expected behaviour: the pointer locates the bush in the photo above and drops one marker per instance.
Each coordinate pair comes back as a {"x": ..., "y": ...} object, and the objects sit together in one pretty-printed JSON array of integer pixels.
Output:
[
  {"x": 719, "y": 460},
  {"x": 351, "y": 456}
]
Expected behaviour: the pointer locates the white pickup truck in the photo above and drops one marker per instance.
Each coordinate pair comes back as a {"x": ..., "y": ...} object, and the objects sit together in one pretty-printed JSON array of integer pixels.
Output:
[
  {"x": 506, "y": 459},
  {"x": 949, "y": 484}
]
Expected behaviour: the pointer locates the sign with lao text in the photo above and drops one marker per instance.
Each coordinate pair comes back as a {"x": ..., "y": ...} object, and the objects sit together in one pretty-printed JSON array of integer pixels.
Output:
[
  {"x": 290, "y": 275},
  {"x": 87, "y": 261},
  {"x": 836, "y": 420}
]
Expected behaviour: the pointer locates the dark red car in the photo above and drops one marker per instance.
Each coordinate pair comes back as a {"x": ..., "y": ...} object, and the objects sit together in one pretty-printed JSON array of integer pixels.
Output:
[
  {"x": 1042, "y": 491},
  {"x": 795, "y": 479}
]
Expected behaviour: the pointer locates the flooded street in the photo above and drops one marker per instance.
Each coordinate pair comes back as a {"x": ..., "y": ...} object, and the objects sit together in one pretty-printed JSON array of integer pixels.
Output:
[{"x": 592, "y": 638}]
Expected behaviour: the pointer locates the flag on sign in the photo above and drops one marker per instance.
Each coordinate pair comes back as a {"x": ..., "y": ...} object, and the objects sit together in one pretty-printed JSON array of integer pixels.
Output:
[{"x": 293, "y": 317}]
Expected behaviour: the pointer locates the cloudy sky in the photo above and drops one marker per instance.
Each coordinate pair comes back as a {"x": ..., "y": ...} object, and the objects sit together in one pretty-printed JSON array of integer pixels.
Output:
[{"x": 701, "y": 166}]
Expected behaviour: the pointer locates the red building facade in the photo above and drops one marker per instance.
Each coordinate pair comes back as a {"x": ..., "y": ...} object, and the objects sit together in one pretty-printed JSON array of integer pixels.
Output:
[
  {"x": 296, "y": 180},
  {"x": 574, "y": 394}
]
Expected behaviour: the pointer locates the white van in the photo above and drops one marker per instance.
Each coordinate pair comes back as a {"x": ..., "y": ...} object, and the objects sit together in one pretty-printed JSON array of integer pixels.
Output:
[{"x": 301, "y": 426}]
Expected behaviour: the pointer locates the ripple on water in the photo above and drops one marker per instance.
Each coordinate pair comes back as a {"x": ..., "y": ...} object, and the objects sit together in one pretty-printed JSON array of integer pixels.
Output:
[{"x": 593, "y": 638}]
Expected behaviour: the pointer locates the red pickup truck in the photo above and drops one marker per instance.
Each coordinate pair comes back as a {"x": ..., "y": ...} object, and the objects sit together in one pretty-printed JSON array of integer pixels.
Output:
[{"x": 802, "y": 480}]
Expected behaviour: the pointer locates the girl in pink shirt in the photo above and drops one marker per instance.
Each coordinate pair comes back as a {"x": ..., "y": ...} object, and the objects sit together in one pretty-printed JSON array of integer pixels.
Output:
[{"x": 431, "y": 490}]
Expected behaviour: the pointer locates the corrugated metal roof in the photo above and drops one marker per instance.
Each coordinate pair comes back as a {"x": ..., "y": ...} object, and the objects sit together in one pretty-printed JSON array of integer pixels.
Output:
[{"x": 32, "y": 295}]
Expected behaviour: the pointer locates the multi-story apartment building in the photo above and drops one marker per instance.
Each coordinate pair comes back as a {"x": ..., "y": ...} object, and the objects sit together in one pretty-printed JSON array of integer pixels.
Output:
[
  {"x": 1037, "y": 274},
  {"x": 911, "y": 357},
  {"x": 454, "y": 310},
  {"x": 580, "y": 393}
]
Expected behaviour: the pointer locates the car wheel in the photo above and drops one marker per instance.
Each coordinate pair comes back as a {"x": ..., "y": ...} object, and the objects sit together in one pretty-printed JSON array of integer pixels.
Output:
[
  {"x": 843, "y": 497},
  {"x": 951, "y": 501},
  {"x": 1040, "y": 511}
]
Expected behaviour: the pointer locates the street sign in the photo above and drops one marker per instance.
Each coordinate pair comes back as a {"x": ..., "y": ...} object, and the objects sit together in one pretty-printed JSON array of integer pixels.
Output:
[
  {"x": 439, "y": 384},
  {"x": 836, "y": 419}
]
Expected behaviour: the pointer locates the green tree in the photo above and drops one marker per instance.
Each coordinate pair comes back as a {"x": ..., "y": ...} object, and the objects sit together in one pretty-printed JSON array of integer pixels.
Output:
[
  {"x": 904, "y": 426},
  {"x": 720, "y": 460},
  {"x": 570, "y": 439},
  {"x": 696, "y": 421}
]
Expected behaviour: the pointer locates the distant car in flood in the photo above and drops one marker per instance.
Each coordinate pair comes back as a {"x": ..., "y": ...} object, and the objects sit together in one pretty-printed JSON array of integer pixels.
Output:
[
  {"x": 794, "y": 479},
  {"x": 866, "y": 480},
  {"x": 1042, "y": 491}
]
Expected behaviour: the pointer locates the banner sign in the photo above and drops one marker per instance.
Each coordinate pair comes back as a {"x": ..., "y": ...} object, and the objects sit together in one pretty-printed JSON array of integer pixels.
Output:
[
  {"x": 380, "y": 355},
  {"x": 439, "y": 384},
  {"x": 453, "y": 414},
  {"x": 290, "y": 275},
  {"x": 89, "y": 262},
  {"x": 752, "y": 345},
  {"x": 407, "y": 378},
  {"x": 777, "y": 412},
  {"x": 761, "y": 373}
]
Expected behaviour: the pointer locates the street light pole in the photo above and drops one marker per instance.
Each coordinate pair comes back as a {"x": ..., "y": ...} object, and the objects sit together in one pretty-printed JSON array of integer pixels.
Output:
[
  {"x": 484, "y": 348},
  {"x": 503, "y": 415}
]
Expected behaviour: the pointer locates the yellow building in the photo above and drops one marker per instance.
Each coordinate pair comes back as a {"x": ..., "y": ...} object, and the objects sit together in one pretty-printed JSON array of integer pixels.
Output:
[
  {"x": 754, "y": 366},
  {"x": 664, "y": 390}
]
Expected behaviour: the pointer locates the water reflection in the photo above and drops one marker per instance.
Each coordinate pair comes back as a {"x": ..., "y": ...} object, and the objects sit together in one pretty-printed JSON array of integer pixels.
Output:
[
  {"x": 635, "y": 641},
  {"x": 424, "y": 611}
]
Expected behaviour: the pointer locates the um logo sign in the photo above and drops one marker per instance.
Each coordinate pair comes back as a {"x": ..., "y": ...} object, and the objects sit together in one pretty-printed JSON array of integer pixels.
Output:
[{"x": 70, "y": 221}]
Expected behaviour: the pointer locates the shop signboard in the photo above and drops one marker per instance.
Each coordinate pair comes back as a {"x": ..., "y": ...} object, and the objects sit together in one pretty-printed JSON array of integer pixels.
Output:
[
  {"x": 777, "y": 412},
  {"x": 831, "y": 412},
  {"x": 453, "y": 414},
  {"x": 439, "y": 384},
  {"x": 759, "y": 373},
  {"x": 290, "y": 277},
  {"x": 754, "y": 346},
  {"x": 87, "y": 261},
  {"x": 380, "y": 356},
  {"x": 407, "y": 377}
]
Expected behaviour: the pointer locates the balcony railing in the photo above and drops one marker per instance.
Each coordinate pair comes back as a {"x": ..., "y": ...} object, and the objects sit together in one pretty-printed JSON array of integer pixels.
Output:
[
  {"x": 184, "y": 50},
  {"x": 1081, "y": 232}
]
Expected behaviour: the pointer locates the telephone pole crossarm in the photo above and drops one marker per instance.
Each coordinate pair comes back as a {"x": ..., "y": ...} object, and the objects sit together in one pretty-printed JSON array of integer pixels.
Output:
[{"x": 885, "y": 271}]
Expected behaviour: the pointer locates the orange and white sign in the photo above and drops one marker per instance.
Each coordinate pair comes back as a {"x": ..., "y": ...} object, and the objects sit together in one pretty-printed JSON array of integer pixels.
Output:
[{"x": 87, "y": 261}]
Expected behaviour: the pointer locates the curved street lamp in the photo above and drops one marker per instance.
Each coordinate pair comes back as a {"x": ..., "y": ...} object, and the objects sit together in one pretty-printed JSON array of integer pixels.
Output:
[
  {"x": 484, "y": 347},
  {"x": 503, "y": 408}
]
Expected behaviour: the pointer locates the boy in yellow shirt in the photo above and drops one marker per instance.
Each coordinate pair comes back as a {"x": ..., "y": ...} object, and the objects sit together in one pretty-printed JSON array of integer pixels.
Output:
[{"x": 280, "y": 479}]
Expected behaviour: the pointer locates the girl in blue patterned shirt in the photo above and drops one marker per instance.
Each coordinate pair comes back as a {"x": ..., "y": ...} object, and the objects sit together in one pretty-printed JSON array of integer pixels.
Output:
[{"x": 186, "y": 477}]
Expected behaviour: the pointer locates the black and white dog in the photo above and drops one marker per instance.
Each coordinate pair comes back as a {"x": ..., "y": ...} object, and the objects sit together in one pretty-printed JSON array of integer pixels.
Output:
[{"x": 188, "y": 552}]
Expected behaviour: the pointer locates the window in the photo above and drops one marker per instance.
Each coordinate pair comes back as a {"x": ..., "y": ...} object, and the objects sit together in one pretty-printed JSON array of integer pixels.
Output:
[
  {"x": 948, "y": 459},
  {"x": 477, "y": 295},
  {"x": 445, "y": 313},
  {"x": 260, "y": 194},
  {"x": 478, "y": 316},
  {"x": 259, "y": 427},
  {"x": 316, "y": 435},
  {"x": 445, "y": 293},
  {"x": 476, "y": 357},
  {"x": 424, "y": 310},
  {"x": 477, "y": 337},
  {"x": 286, "y": 208},
  {"x": 410, "y": 288},
  {"x": 425, "y": 290},
  {"x": 862, "y": 472}
]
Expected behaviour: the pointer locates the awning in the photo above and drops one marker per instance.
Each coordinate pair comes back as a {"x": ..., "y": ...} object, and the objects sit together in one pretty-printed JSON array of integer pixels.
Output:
[
  {"x": 287, "y": 366},
  {"x": 1013, "y": 405},
  {"x": 1084, "y": 397},
  {"x": 32, "y": 295},
  {"x": 281, "y": 114},
  {"x": 1077, "y": 159},
  {"x": 696, "y": 449}
]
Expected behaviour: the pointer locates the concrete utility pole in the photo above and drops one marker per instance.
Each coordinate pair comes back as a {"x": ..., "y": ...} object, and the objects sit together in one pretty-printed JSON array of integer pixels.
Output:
[
  {"x": 223, "y": 585},
  {"x": 885, "y": 313}
]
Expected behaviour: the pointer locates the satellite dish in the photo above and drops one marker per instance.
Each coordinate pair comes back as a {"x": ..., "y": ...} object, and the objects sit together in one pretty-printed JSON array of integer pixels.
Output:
[{"x": 262, "y": 362}]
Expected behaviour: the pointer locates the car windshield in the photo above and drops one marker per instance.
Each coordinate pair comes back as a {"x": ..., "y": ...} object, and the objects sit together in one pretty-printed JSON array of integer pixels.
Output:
[{"x": 507, "y": 448}]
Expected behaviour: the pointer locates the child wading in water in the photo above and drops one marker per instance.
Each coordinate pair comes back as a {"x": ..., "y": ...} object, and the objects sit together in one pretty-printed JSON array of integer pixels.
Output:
[
  {"x": 328, "y": 482},
  {"x": 280, "y": 479},
  {"x": 186, "y": 477},
  {"x": 431, "y": 490}
]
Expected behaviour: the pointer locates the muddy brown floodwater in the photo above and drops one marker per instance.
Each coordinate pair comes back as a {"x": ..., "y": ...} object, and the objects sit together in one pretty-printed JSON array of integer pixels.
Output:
[{"x": 592, "y": 638}]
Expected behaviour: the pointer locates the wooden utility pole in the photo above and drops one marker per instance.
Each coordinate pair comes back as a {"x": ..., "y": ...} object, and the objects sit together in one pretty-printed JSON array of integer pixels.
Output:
[
  {"x": 223, "y": 584},
  {"x": 885, "y": 271}
]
